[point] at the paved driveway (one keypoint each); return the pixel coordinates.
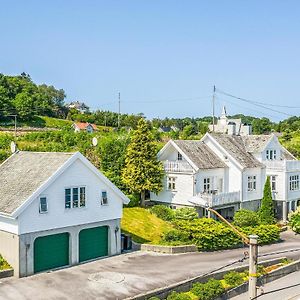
(127, 275)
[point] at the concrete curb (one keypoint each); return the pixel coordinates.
(186, 285)
(6, 273)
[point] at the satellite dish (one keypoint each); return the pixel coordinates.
(95, 141)
(13, 147)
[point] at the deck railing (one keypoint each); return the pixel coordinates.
(177, 166)
(221, 198)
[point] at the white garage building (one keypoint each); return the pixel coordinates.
(56, 210)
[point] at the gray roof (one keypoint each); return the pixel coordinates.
(23, 173)
(200, 154)
(256, 143)
(235, 146)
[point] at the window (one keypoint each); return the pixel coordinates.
(273, 183)
(294, 183)
(206, 185)
(82, 197)
(104, 200)
(271, 155)
(75, 197)
(179, 156)
(43, 205)
(251, 183)
(171, 183)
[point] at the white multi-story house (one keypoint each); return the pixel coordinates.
(229, 171)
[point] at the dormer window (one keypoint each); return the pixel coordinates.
(179, 156)
(43, 205)
(271, 154)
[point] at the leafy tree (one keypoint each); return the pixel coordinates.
(142, 170)
(266, 211)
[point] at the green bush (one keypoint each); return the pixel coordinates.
(266, 211)
(267, 234)
(234, 278)
(209, 290)
(244, 218)
(134, 200)
(163, 212)
(186, 213)
(294, 218)
(176, 237)
(178, 296)
(209, 234)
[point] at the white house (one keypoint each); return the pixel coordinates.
(229, 172)
(56, 209)
(83, 126)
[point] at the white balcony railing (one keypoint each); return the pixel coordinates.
(221, 199)
(283, 165)
(177, 166)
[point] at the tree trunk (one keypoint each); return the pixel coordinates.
(143, 196)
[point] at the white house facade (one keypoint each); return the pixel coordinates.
(56, 210)
(229, 171)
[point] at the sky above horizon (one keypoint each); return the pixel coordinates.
(164, 57)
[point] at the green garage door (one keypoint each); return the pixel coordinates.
(51, 251)
(93, 243)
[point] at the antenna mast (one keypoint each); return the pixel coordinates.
(213, 107)
(119, 110)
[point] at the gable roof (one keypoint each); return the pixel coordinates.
(256, 143)
(235, 146)
(200, 154)
(25, 175)
(25, 172)
(83, 125)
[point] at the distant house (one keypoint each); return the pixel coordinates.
(56, 210)
(81, 126)
(80, 106)
(167, 129)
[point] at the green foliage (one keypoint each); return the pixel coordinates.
(3, 264)
(267, 234)
(162, 212)
(186, 213)
(134, 200)
(244, 218)
(142, 169)
(176, 237)
(209, 290)
(266, 211)
(294, 220)
(234, 278)
(178, 296)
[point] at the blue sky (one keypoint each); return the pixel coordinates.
(163, 56)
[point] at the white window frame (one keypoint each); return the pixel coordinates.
(207, 184)
(294, 183)
(171, 183)
(251, 183)
(71, 188)
(273, 181)
(104, 201)
(271, 154)
(40, 204)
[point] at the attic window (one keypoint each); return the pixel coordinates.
(43, 205)
(179, 156)
(75, 197)
(104, 199)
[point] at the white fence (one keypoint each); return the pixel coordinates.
(177, 166)
(221, 199)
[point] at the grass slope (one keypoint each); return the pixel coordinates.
(143, 226)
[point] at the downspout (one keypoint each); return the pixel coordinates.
(241, 191)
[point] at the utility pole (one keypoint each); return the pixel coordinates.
(253, 253)
(15, 116)
(119, 110)
(213, 107)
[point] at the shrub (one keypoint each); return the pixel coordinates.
(134, 200)
(267, 234)
(163, 212)
(186, 213)
(209, 290)
(266, 211)
(294, 218)
(178, 296)
(244, 218)
(176, 237)
(234, 278)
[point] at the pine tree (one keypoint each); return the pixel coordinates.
(266, 211)
(142, 170)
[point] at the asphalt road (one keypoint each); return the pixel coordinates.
(127, 275)
(291, 293)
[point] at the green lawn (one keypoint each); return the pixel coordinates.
(143, 226)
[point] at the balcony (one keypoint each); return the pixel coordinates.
(283, 165)
(177, 167)
(214, 200)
